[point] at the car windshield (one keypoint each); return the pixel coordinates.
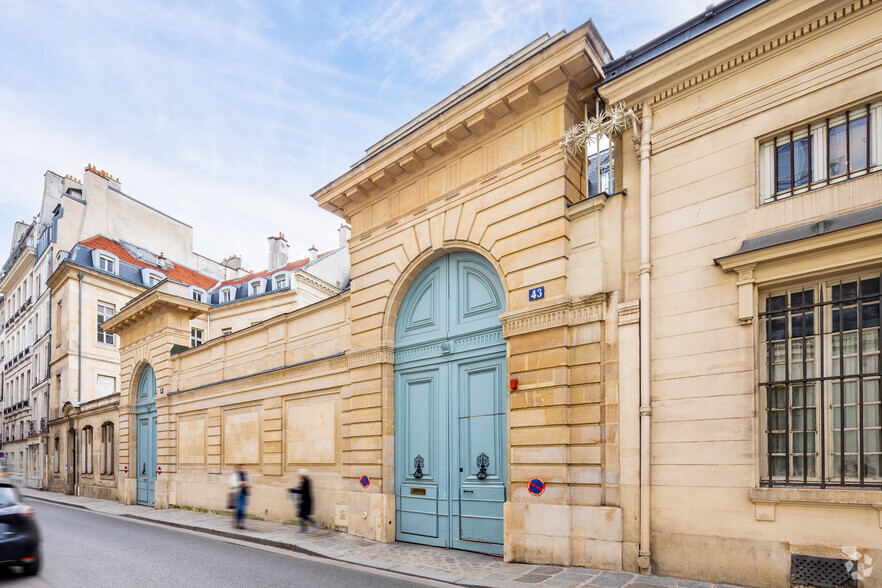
(8, 496)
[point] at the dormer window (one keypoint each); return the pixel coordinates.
(227, 294)
(105, 261)
(280, 281)
(197, 294)
(256, 286)
(151, 277)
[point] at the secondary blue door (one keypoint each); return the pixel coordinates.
(146, 439)
(450, 407)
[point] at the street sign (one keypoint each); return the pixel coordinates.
(536, 487)
(537, 293)
(365, 481)
(158, 470)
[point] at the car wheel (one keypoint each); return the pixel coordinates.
(32, 567)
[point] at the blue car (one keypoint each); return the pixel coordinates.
(19, 535)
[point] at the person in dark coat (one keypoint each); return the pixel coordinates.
(304, 492)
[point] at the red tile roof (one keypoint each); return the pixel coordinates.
(266, 273)
(178, 272)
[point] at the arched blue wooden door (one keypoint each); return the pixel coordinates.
(450, 407)
(145, 413)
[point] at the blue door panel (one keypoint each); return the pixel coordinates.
(146, 440)
(450, 407)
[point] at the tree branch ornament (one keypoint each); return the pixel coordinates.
(606, 123)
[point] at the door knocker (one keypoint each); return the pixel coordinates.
(418, 464)
(483, 462)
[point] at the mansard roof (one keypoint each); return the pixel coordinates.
(171, 269)
(298, 264)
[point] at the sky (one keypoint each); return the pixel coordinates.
(227, 115)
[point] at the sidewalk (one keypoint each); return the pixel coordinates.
(447, 565)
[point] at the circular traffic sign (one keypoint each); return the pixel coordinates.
(158, 470)
(536, 487)
(364, 481)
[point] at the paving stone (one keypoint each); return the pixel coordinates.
(694, 584)
(423, 573)
(547, 570)
(612, 579)
(658, 580)
(564, 581)
(532, 578)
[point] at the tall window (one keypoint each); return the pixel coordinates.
(826, 151)
(86, 458)
(820, 384)
(107, 449)
(226, 295)
(197, 295)
(255, 289)
(281, 280)
(195, 337)
(57, 457)
(105, 311)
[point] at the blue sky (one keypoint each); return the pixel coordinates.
(228, 115)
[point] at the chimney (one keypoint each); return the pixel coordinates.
(345, 233)
(234, 262)
(278, 251)
(313, 253)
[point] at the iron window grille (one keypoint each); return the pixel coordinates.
(820, 384)
(821, 153)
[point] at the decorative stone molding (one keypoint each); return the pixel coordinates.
(318, 285)
(766, 499)
(438, 348)
(370, 356)
(752, 54)
(559, 313)
(745, 283)
(629, 312)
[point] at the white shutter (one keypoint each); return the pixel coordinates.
(819, 152)
(767, 171)
(876, 136)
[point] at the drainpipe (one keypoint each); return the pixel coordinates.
(79, 376)
(44, 479)
(643, 560)
(80, 338)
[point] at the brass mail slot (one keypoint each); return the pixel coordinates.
(420, 491)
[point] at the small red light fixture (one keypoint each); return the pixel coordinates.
(513, 384)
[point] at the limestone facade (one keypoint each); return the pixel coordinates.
(721, 254)
(638, 382)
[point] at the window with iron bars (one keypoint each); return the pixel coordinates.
(823, 152)
(819, 382)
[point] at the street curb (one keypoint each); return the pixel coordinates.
(314, 551)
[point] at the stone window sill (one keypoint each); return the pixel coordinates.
(766, 499)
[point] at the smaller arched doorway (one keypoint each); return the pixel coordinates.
(145, 411)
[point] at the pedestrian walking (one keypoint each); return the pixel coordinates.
(239, 489)
(304, 492)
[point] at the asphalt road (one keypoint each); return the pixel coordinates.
(83, 548)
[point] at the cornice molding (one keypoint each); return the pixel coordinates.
(574, 63)
(370, 356)
(756, 52)
(556, 313)
(629, 312)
